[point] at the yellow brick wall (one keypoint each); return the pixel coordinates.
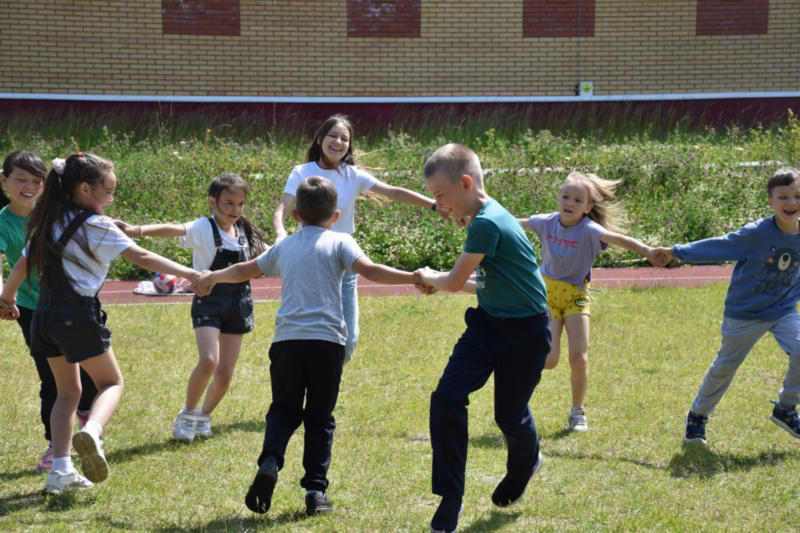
(466, 48)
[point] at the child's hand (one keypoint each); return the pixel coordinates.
(8, 310)
(127, 229)
(421, 286)
(201, 284)
(665, 255)
(656, 259)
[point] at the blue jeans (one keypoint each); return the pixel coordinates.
(738, 338)
(350, 309)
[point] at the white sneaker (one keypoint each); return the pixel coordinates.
(93, 460)
(183, 426)
(202, 425)
(577, 420)
(58, 482)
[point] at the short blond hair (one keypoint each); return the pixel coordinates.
(453, 161)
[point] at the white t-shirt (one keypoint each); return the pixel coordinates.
(200, 238)
(105, 239)
(311, 264)
(349, 181)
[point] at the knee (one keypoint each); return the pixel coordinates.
(442, 401)
(579, 358)
(207, 365)
(552, 360)
(223, 376)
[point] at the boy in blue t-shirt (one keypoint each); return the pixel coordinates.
(508, 334)
(762, 296)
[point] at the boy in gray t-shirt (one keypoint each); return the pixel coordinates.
(308, 349)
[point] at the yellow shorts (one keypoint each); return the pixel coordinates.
(565, 299)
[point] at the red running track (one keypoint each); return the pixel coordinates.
(121, 292)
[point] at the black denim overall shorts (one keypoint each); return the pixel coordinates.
(65, 322)
(229, 307)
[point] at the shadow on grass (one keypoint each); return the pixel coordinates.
(699, 461)
(488, 441)
(496, 520)
(169, 445)
(254, 522)
(600, 458)
(18, 502)
(19, 474)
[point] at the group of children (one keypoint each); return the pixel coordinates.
(69, 243)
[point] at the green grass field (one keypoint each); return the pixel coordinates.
(631, 471)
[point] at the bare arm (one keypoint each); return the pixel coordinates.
(281, 213)
(629, 243)
(457, 278)
(9, 293)
(155, 263)
(233, 274)
(405, 196)
(382, 273)
(524, 223)
(152, 230)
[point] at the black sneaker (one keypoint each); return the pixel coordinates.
(445, 519)
(259, 495)
(788, 420)
(695, 428)
(512, 487)
(317, 503)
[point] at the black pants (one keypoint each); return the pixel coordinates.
(514, 349)
(47, 387)
(299, 370)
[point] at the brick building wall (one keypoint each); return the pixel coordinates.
(362, 48)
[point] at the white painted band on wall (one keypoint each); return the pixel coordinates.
(393, 99)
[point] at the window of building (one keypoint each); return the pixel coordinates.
(558, 18)
(369, 18)
(732, 17)
(193, 17)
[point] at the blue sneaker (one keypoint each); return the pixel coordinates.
(695, 428)
(787, 419)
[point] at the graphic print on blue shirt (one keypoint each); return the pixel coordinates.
(562, 246)
(779, 271)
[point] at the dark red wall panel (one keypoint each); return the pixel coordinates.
(732, 17)
(368, 18)
(558, 18)
(192, 17)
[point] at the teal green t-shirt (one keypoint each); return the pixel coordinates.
(12, 239)
(508, 280)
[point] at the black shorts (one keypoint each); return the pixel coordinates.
(78, 333)
(229, 308)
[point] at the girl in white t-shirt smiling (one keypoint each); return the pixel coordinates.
(224, 316)
(71, 243)
(331, 156)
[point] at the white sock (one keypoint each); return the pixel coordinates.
(93, 428)
(62, 464)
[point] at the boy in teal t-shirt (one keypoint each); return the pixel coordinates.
(12, 239)
(508, 334)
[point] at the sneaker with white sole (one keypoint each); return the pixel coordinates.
(695, 431)
(445, 519)
(202, 424)
(93, 460)
(787, 419)
(58, 482)
(577, 420)
(512, 487)
(47, 459)
(183, 426)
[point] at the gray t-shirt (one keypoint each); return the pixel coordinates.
(311, 264)
(568, 253)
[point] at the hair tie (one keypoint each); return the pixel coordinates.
(59, 165)
(80, 154)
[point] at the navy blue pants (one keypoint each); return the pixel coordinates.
(514, 349)
(304, 371)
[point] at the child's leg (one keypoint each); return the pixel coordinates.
(350, 310)
(229, 347)
(105, 373)
(288, 383)
(556, 328)
(467, 370)
(208, 348)
(519, 361)
(62, 416)
(88, 391)
(787, 333)
(324, 362)
(738, 338)
(578, 338)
